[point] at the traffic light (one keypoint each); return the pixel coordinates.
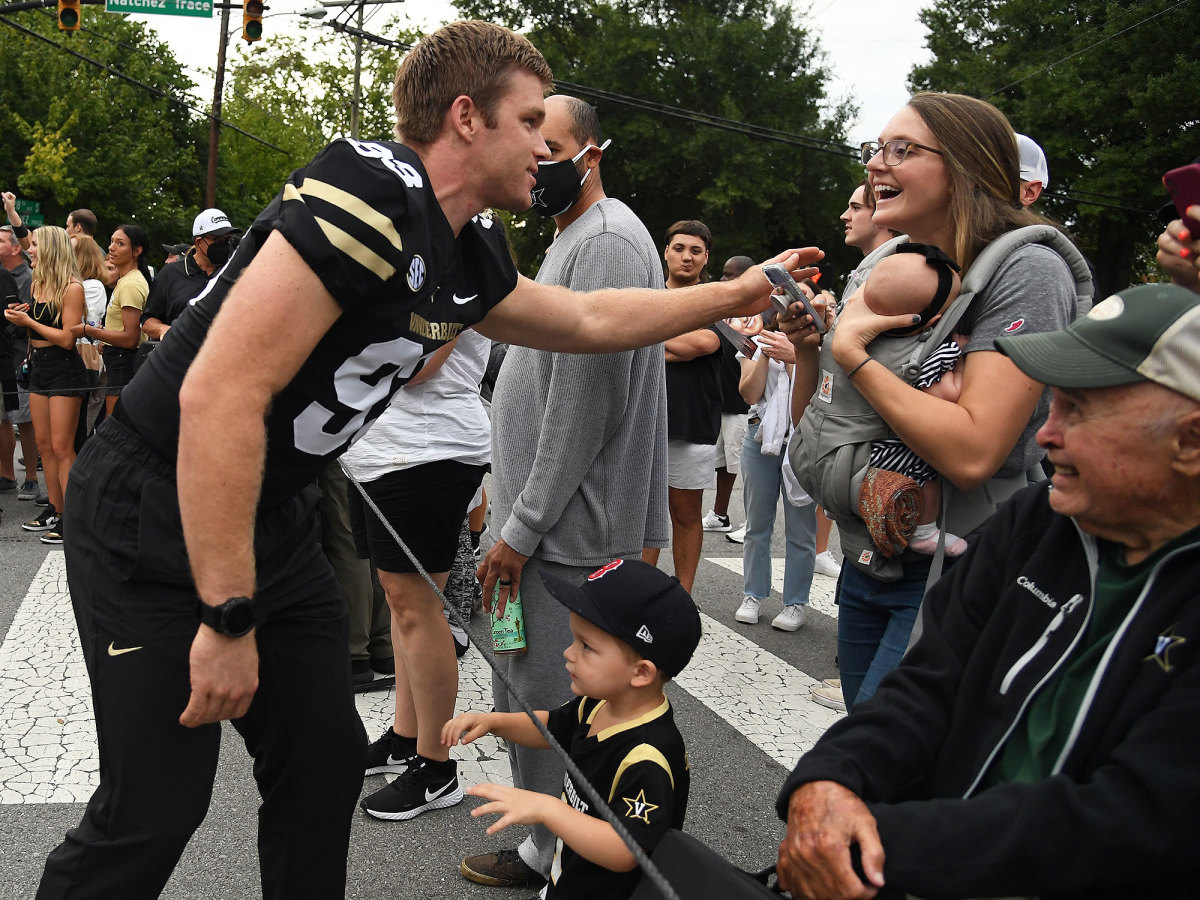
(252, 15)
(68, 15)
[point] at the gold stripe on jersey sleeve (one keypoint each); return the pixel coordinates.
(342, 240)
(640, 753)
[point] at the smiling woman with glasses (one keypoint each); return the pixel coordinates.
(944, 172)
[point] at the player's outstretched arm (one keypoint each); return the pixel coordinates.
(548, 317)
(593, 839)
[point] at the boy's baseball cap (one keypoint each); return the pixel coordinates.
(178, 249)
(634, 601)
(1146, 333)
(211, 223)
(1033, 161)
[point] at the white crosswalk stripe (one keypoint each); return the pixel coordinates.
(47, 732)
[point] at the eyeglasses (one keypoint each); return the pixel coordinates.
(894, 152)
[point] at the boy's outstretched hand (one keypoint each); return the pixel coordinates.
(463, 729)
(513, 805)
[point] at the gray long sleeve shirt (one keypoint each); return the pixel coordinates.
(579, 440)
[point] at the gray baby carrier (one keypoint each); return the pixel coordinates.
(830, 449)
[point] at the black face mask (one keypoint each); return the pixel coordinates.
(219, 251)
(558, 184)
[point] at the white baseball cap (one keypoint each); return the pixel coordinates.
(211, 223)
(1033, 161)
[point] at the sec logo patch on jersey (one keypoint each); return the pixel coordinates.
(416, 273)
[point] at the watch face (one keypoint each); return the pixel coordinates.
(237, 616)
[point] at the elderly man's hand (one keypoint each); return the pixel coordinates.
(824, 820)
(501, 567)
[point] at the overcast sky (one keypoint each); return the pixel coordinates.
(868, 67)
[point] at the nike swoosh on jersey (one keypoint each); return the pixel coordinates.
(113, 651)
(433, 795)
(461, 300)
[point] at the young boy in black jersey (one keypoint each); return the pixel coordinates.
(634, 628)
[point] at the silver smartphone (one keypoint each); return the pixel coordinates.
(781, 277)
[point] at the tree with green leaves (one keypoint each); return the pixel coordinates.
(646, 64)
(121, 141)
(1101, 85)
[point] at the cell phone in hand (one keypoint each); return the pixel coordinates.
(1183, 184)
(781, 277)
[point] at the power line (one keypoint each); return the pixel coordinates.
(158, 92)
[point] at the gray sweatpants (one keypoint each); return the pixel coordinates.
(541, 678)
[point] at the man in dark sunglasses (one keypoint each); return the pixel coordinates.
(213, 241)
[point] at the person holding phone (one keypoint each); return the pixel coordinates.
(1179, 244)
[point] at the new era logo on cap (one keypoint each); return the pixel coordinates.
(644, 634)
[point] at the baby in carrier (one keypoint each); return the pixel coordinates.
(901, 495)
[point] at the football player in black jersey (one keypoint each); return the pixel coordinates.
(192, 556)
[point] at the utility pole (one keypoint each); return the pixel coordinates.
(214, 124)
(356, 102)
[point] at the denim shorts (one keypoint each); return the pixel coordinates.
(118, 363)
(57, 372)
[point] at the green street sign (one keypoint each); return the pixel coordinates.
(199, 8)
(33, 220)
(28, 207)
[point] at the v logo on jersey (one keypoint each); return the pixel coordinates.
(461, 300)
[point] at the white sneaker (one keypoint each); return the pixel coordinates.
(832, 682)
(747, 613)
(714, 521)
(738, 536)
(829, 697)
(790, 619)
(825, 564)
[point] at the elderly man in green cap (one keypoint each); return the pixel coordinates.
(1042, 736)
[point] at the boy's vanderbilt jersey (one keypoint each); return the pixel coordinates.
(365, 220)
(641, 770)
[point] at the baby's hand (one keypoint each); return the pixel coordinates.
(465, 728)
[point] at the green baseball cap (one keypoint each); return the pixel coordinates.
(1146, 333)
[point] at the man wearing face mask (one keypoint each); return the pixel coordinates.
(579, 475)
(213, 240)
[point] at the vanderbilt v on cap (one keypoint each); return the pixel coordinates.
(1146, 333)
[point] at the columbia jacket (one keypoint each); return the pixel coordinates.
(1120, 815)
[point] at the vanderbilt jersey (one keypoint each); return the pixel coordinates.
(640, 768)
(363, 217)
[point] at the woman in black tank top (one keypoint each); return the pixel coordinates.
(57, 378)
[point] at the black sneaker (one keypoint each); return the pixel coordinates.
(53, 537)
(391, 753)
(46, 521)
(42, 500)
(502, 869)
(7, 485)
(418, 789)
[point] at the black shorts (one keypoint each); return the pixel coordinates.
(57, 372)
(426, 504)
(118, 363)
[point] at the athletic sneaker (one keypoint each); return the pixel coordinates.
(28, 490)
(829, 697)
(503, 869)
(391, 753)
(714, 521)
(832, 682)
(825, 564)
(747, 613)
(7, 484)
(47, 520)
(53, 537)
(42, 499)
(790, 619)
(738, 536)
(418, 789)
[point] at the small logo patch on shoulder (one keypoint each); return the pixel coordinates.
(1015, 326)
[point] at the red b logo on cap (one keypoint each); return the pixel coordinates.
(603, 570)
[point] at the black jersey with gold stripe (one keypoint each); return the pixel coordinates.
(364, 218)
(641, 769)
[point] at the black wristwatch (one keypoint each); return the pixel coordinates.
(233, 618)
